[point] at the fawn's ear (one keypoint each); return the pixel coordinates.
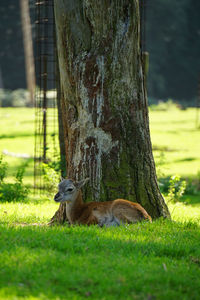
(81, 183)
(61, 178)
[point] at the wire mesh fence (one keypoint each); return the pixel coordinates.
(46, 124)
(46, 121)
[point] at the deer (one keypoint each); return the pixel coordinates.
(107, 213)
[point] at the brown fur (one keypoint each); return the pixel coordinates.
(109, 213)
(101, 212)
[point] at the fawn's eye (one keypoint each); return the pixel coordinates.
(69, 190)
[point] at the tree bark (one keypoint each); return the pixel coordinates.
(104, 103)
(60, 123)
(28, 48)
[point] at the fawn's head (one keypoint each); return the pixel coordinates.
(68, 190)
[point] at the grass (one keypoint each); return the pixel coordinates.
(143, 261)
(176, 141)
(157, 261)
(17, 136)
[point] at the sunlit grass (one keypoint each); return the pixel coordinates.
(180, 212)
(17, 127)
(176, 141)
(142, 261)
(176, 144)
(39, 211)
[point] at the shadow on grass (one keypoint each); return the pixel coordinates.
(81, 261)
(27, 121)
(17, 135)
(191, 199)
(28, 168)
(164, 148)
(185, 159)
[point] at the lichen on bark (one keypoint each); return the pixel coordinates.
(105, 113)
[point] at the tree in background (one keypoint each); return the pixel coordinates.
(103, 103)
(173, 41)
(28, 48)
(11, 50)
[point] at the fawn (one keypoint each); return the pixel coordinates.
(109, 213)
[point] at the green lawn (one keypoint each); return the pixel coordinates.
(144, 261)
(17, 136)
(176, 141)
(158, 261)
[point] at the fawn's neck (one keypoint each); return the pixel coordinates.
(73, 209)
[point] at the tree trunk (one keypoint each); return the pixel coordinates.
(28, 48)
(60, 123)
(104, 103)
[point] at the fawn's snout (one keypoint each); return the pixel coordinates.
(57, 197)
(68, 190)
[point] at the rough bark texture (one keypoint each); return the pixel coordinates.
(60, 124)
(104, 105)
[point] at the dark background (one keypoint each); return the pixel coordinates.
(172, 39)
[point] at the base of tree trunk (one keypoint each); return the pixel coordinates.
(104, 108)
(59, 217)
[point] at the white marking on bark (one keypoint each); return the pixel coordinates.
(100, 97)
(87, 129)
(104, 144)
